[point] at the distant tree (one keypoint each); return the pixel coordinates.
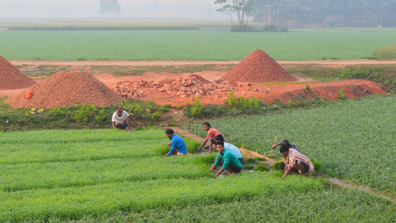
(228, 10)
(277, 8)
(110, 7)
(242, 8)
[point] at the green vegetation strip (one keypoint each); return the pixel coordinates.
(83, 145)
(68, 174)
(353, 139)
(191, 44)
(98, 199)
(320, 205)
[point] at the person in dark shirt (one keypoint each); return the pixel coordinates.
(286, 143)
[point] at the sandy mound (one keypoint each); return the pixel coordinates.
(67, 89)
(12, 78)
(258, 67)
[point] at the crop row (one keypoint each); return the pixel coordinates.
(352, 139)
(190, 45)
(78, 174)
(138, 196)
(320, 205)
(69, 146)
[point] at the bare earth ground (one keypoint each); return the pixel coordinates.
(295, 91)
(332, 63)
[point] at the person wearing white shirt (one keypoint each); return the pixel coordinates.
(121, 118)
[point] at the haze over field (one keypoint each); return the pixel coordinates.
(90, 8)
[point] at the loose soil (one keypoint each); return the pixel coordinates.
(352, 88)
(11, 77)
(67, 89)
(258, 67)
(295, 91)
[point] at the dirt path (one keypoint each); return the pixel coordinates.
(361, 188)
(247, 154)
(332, 63)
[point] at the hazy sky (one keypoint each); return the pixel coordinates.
(96, 2)
(90, 8)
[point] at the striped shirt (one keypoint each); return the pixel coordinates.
(294, 155)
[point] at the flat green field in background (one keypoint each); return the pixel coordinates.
(353, 139)
(114, 176)
(192, 45)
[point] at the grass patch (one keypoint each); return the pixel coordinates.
(192, 44)
(76, 117)
(385, 53)
(349, 137)
(261, 168)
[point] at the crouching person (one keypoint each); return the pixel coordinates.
(177, 147)
(230, 147)
(295, 161)
(230, 161)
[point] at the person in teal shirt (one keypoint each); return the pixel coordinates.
(231, 148)
(230, 161)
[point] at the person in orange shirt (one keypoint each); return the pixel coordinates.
(212, 133)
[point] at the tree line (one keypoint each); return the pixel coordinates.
(243, 9)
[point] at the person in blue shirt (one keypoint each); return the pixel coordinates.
(230, 147)
(231, 162)
(177, 147)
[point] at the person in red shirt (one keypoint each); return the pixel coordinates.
(212, 133)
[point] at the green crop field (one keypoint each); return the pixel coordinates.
(192, 45)
(115, 176)
(353, 139)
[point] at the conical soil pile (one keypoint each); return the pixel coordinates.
(67, 89)
(258, 67)
(12, 78)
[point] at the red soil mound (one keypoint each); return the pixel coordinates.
(11, 77)
(67, 89)
(258, 67)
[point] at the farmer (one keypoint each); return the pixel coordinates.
(230, 161)
(228, 146)
(295, 161)
(177, 147)
(212, 133)
(285, 142)
(121, 118)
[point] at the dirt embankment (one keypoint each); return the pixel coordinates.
(352, 88)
